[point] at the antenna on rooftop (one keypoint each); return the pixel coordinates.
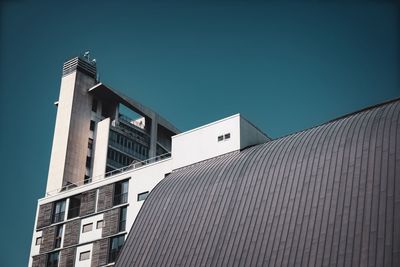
(86, 55)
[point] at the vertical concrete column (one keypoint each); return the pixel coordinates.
(153, 136)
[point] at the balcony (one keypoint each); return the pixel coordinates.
(111, 173)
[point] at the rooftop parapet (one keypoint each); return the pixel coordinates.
(83, 63)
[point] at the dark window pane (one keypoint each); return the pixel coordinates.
(52, 259)
(94, 105)
(115, 247)
(59, 211)
(122, 219)
(57, 240)
(121, 193)
(92, 125)
(90, 143)
(88, 162)
(74, 206)
(142, 196)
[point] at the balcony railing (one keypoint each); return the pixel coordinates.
(111, 173)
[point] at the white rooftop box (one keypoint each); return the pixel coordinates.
(214, 139)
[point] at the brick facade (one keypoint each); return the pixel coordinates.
(111, 222)
(100, 252)
(67, 257)
(44, 216)
(71, 236)
(105, 200)
(39, 260)
(48, 236)
(88, 202)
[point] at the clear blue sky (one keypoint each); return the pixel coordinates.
(285, 66)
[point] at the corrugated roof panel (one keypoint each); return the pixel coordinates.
(329, 195)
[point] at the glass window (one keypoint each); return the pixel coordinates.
(58, 211)
(122, 219)
(88, 161)
(142, 196)
(74, 206)
(84, 255)
(90, 143)
(52, 259)
(92, 125)
(87, 227)
(57, 240)
(99, 224)
(227, 136)
(38, 241)
(115, 247)
(220, 138)
(121, 192)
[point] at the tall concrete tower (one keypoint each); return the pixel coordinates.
(93, 134)
(72, 129)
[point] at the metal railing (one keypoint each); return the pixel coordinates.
(110, 173)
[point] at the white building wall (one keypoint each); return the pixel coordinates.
(35, 248)
(202, 143)
(101, 148)
(142, 180)
(95, 233)
(61, 132)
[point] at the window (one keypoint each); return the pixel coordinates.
(90, 143)
(115, 246)
(74, 206)
(99, 224)
(38, 241)
(86, 179)
(94, 105)
(142, 196)
(224, 137)
(58, 211)
(88, 161)
(121, 192)
(87, 227)
(57, 240)
(122, 219)
(84, 255)
(52, 259)
(92, 125)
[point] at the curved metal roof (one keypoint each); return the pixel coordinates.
(329, 195)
